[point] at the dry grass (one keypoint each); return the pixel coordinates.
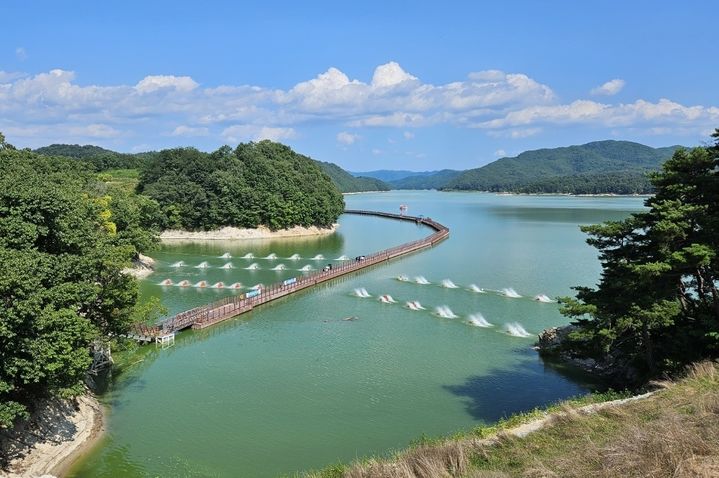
(673, 433)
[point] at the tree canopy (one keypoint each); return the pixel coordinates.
(262, 183)
(64, 239)
(656, 306)
(100, 159)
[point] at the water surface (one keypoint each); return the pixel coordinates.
(293, 386)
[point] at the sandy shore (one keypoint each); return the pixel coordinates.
(54, 438)
(234, 233)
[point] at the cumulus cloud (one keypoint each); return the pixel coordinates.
(504, 104)
(248, 132)
(20, 53)
(514, 133)
(346, 138)
(183, 130)
(398, 119)
(389, 75)
(6, 76)
(500, 153)
(94, 131)
(166, 82)
(610, 88)
(591, 112)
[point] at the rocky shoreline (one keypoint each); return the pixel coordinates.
(55, 436)
(613, 369)
(235, 233)
(142, 267)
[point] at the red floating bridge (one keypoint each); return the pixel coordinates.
(221, 310)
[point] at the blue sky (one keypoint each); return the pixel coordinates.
(367, 85)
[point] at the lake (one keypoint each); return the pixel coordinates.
(292, 386)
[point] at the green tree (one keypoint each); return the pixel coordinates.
(63, 244)
(656, 306)
(262, 183)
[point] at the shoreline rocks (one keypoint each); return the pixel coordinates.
(53, 438)
(142, 267)
(235, 233)
(612, 368)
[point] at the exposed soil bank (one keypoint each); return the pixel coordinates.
(234, 233)
(56, 435)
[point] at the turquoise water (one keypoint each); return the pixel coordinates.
(292, 386)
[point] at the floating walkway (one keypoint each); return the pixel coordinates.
(229, 307)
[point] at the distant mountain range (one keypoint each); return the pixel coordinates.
(389, 175)
(402, 179)
(348, 183)
(619, 167)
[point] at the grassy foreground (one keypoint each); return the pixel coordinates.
(673, 432)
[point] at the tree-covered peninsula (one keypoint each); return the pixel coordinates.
(65, 237)
(256, 184)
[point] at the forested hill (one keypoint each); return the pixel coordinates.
(618, 167)
(347, 183)
(434, 180)
(390, 175)
(100, 159)
(262, 183)
(404, 179)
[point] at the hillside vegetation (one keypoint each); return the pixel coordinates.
(404, 179)
(65, 237)
(100, 159)
(656, 306)
(105, 160)
(618, 167)
(389, 175)
(435, 180)
(262, 183)
(347, 183)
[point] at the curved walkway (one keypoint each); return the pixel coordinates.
(213, 313)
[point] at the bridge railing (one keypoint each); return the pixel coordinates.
(230, 306)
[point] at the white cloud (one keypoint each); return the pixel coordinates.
(20, 53)
(389, 75)
(515, 133)
(506, 105)
(500, 153)
(397, 119)
(347, 138)
(93, 131)
(377, 151)
(247, 132)
(7, 76)
(183, 130)
(591, 112)
(610, 88)
(166, 82)
(275, 134)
